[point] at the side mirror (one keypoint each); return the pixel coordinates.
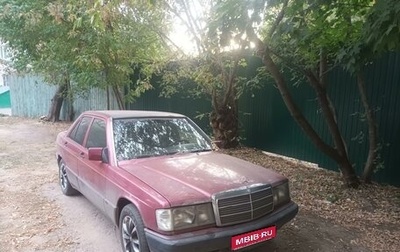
(98, 154)
(95, 154)
(104, 155)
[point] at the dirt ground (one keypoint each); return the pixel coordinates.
(36, 216)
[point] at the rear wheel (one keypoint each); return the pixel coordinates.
(133, 238)
(66, 187)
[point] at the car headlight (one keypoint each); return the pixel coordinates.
(281, 194)
(185, 217)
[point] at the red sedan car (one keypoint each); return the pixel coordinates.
(155, 175)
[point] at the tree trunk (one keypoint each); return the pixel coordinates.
(337, 154)
(71, 112)
(323, 82)
(340, 146)
(370, 165)
(224, 122)
(224, 118)
(119, 98)
(56, 103)
(70, 108)
(108, 97)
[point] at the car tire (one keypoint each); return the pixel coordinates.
(65, 186)
(133, 238)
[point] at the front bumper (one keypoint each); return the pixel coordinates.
(217, 238)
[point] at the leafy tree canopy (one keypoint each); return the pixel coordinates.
(84, 39)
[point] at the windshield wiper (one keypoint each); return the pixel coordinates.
(187, 151)
(145, 156)
(200, 150)
(174, 152)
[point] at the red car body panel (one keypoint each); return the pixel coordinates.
(157, 182)
(183, 178)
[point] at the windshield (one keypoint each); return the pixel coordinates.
(147, 137)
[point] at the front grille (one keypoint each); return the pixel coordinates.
(242, 204)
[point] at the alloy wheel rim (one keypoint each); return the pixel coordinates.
(130, 237)
(63, 177)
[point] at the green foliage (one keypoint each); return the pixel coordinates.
(382, 27)
(220, 58)
(380, 33)
(97, 43)
(297, 31)
(208, 77)
(312, 27)
(216, 69)
(28, 27)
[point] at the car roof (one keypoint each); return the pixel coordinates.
(131, 113)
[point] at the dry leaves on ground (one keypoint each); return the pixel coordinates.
(373, 210)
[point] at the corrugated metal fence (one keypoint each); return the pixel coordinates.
(268, 125)
(196, 109)
(31, 97)
(265, 121)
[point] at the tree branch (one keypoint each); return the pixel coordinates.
(370, 164)
(278, 19)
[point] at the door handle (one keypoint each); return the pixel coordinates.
(82, 155)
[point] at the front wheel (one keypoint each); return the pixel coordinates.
(133, 238)
(66, 187)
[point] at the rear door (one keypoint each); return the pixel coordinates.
(91, 173)
(74, 149)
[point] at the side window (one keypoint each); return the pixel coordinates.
(79, 132)
(97, 134)
(74, 130)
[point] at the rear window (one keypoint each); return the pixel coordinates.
(79, 131)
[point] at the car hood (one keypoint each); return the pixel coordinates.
(192, 178)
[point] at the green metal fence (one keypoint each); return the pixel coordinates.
(265, 121)
(196, 109)
(5, 99)
(267, 125)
